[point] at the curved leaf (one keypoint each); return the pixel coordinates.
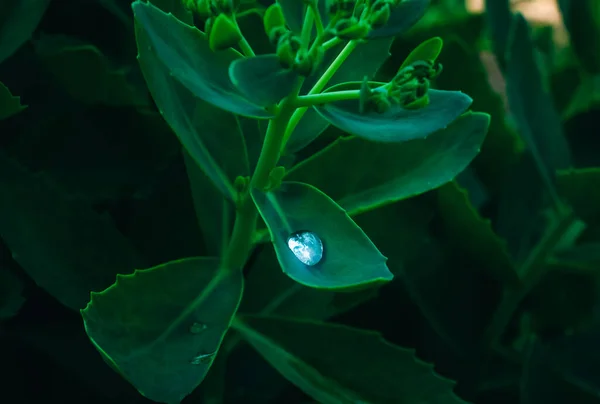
(471, 233)
(161, 327)
(262, 79)
(349, 258)
(397, 124)
(86, 74)
(336, 364)
(406, 14)
(183, 52)
(428, 50)
(18, 20)
(9, 104)
(382, 173)
(64, 246)
(582, 20)
(365, 60)
(211, 135)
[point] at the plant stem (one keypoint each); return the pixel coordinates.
(243, 43)
(242, 237)
(532, 272)
(325, 98)
(331, 43)
(307, 28)
(317, 16)
(319, 86)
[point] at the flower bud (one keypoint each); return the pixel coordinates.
(224, 33)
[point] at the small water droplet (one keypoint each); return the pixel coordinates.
(202, 359)
(197, 328)
(306, 246)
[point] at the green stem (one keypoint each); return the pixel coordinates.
(307, 28)
(243, 43)
(325, 98)
(242, 237)
(317, 17)
(331, 43)
(532, 272)
(319, 86)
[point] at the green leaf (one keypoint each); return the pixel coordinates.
(580, 189)
(11, 298)
(9, 104)
(471, 233)
(531, 105)
(211, 135)
(335, 364)
(464, 69)
(397, 124)
(499, 20)
(365, 60)
(349, 258)
(86, 74)
(182, 52)
(161, 327)
(428, 50)
(262, 79)
(18, 20)
(582, 20)
(64, 246)
(213, 211)
(403, 16)
(403, 169)
(285, 297)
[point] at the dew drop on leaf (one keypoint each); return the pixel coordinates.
(197, 328)
(306, 246)
(202, 359)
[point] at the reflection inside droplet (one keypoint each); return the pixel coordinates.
(306, 246)
(202, 359)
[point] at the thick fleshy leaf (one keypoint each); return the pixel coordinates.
(537, 120)
(473, 234)
(582, 20)
(85, 72)
(365, 60)
(285, 297)
(348, 259)
(211, 135)
(161, 327)
(335, 364)
(9, 104)
(397, 124)
(262, 79)
(580, 188)
(403, 170)
(63, 245)
(11, 298)
(428, 50)
(406, 14)
(18, 20)
(183, 52)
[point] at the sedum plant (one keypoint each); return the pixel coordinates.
(241, 117)
(162, 328)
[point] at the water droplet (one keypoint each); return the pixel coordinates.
(307, 247)
(202, 359)
(197, 328)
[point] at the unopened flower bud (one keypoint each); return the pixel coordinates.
(224, 33)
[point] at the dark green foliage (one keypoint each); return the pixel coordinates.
(451, 225)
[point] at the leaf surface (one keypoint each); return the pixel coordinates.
(161, 327)
(338, 364)
(348, 258)
(18, 20)
(380, 173)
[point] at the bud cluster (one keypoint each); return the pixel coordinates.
(409, 88)
(354, 19)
